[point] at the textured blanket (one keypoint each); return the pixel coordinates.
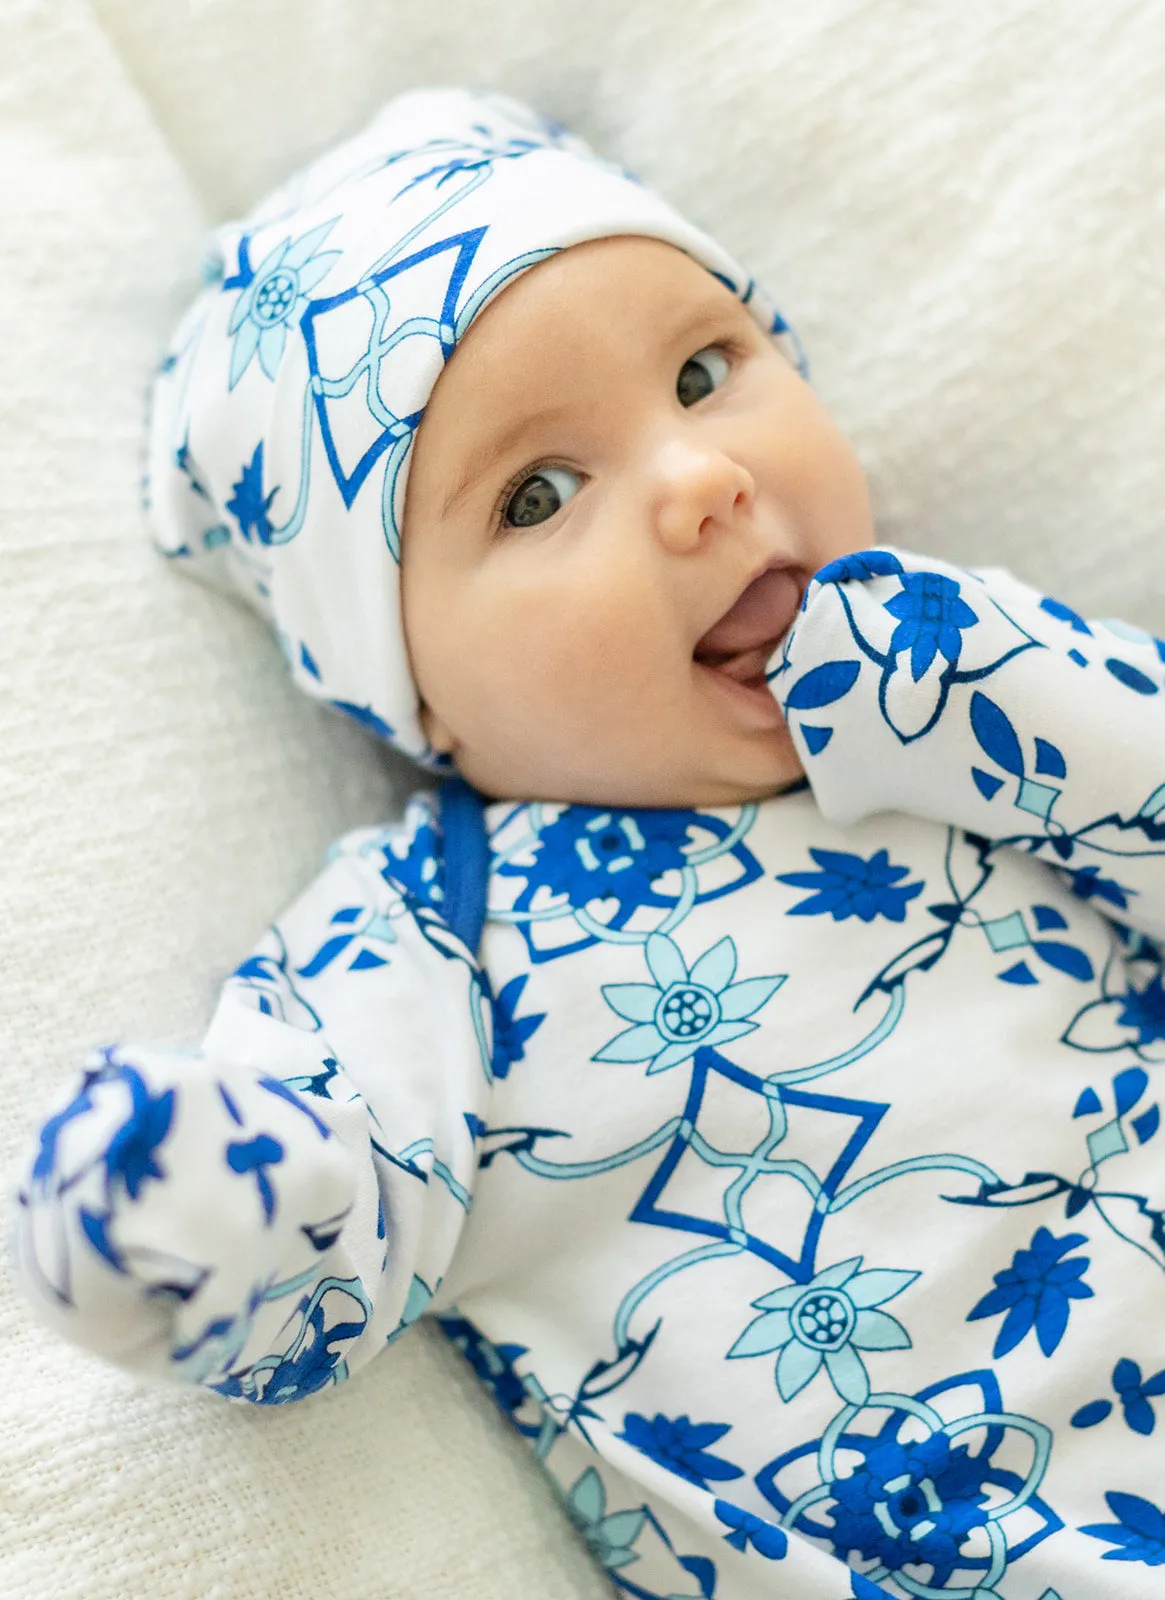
(962, 210)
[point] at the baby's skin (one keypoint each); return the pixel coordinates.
(587, 654)
(785, 1154)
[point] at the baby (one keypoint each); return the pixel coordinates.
(758, 1087)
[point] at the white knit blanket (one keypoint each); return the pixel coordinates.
(962, 208)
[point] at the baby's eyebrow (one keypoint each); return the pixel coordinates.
(494, 447)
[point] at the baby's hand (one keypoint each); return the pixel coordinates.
(168, 1196)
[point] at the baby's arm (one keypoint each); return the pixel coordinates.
(967, 697)
(262, 1215)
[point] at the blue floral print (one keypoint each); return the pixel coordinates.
(589, 854)
(250, 502)
(512, 1032)
(863, 1589)
(1138, 1534)
(932, 617)
(275, 295)
(315, 1359)
(905, 1499)
(828, 1321)
(130, 1155)
(1089, 884)
(683, 1010)
(850, 886)
(745, 1529)
(609, 1535)
(911, 1503)
(681, 1445)
(1144, 1011)
(1036, 1291)
(495, 1365)
(256, 1155)
(639, 1238)
(1135, 1393)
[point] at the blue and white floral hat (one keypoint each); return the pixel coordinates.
(284, 413)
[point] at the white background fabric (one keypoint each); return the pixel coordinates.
(962, 210)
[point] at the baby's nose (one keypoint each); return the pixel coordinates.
(699, 491)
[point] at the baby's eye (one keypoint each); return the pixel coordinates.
(700, 374)
(539, 496)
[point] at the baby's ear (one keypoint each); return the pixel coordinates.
(440, 736)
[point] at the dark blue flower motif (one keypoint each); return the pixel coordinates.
(315, 1365)
(908, 1501)
(51, 1131)
(931, 616)
(681, 1445)
(130, 1153)
(746, 1529)
(856, 568)
(415, 864)
(1144, 1010)
(1134, 1391)
(910, 1504)
(494, 1364)
(248, 504)
(313, 1361)
(256, 1155)
(510, 1030)
(850, 886)
(588, 854)
(1035, 1291)
(863, 1589)
(1089, 885)
(1138, 1534)
(1063, 613)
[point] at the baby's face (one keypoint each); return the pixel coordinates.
(614, 454)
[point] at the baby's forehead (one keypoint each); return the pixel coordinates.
(609, 300)
(628, 273)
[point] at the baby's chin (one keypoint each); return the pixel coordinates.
(760, 770)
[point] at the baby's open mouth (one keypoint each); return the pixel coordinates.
(740, 644)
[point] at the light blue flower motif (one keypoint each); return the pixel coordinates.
(682, 1010)
(610, 1537)
(828, 1321)
(276, 296)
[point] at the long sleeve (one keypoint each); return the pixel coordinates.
(967, 697)
(260, 1216)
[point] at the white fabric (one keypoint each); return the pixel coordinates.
(961, 210)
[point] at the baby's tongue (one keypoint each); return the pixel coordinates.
(762, 615)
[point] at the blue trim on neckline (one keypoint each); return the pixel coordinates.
(466, 853)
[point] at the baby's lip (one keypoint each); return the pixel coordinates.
(740, 643)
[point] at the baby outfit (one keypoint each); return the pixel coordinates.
(789, 1172)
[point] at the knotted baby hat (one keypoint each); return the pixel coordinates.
(284, 412)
